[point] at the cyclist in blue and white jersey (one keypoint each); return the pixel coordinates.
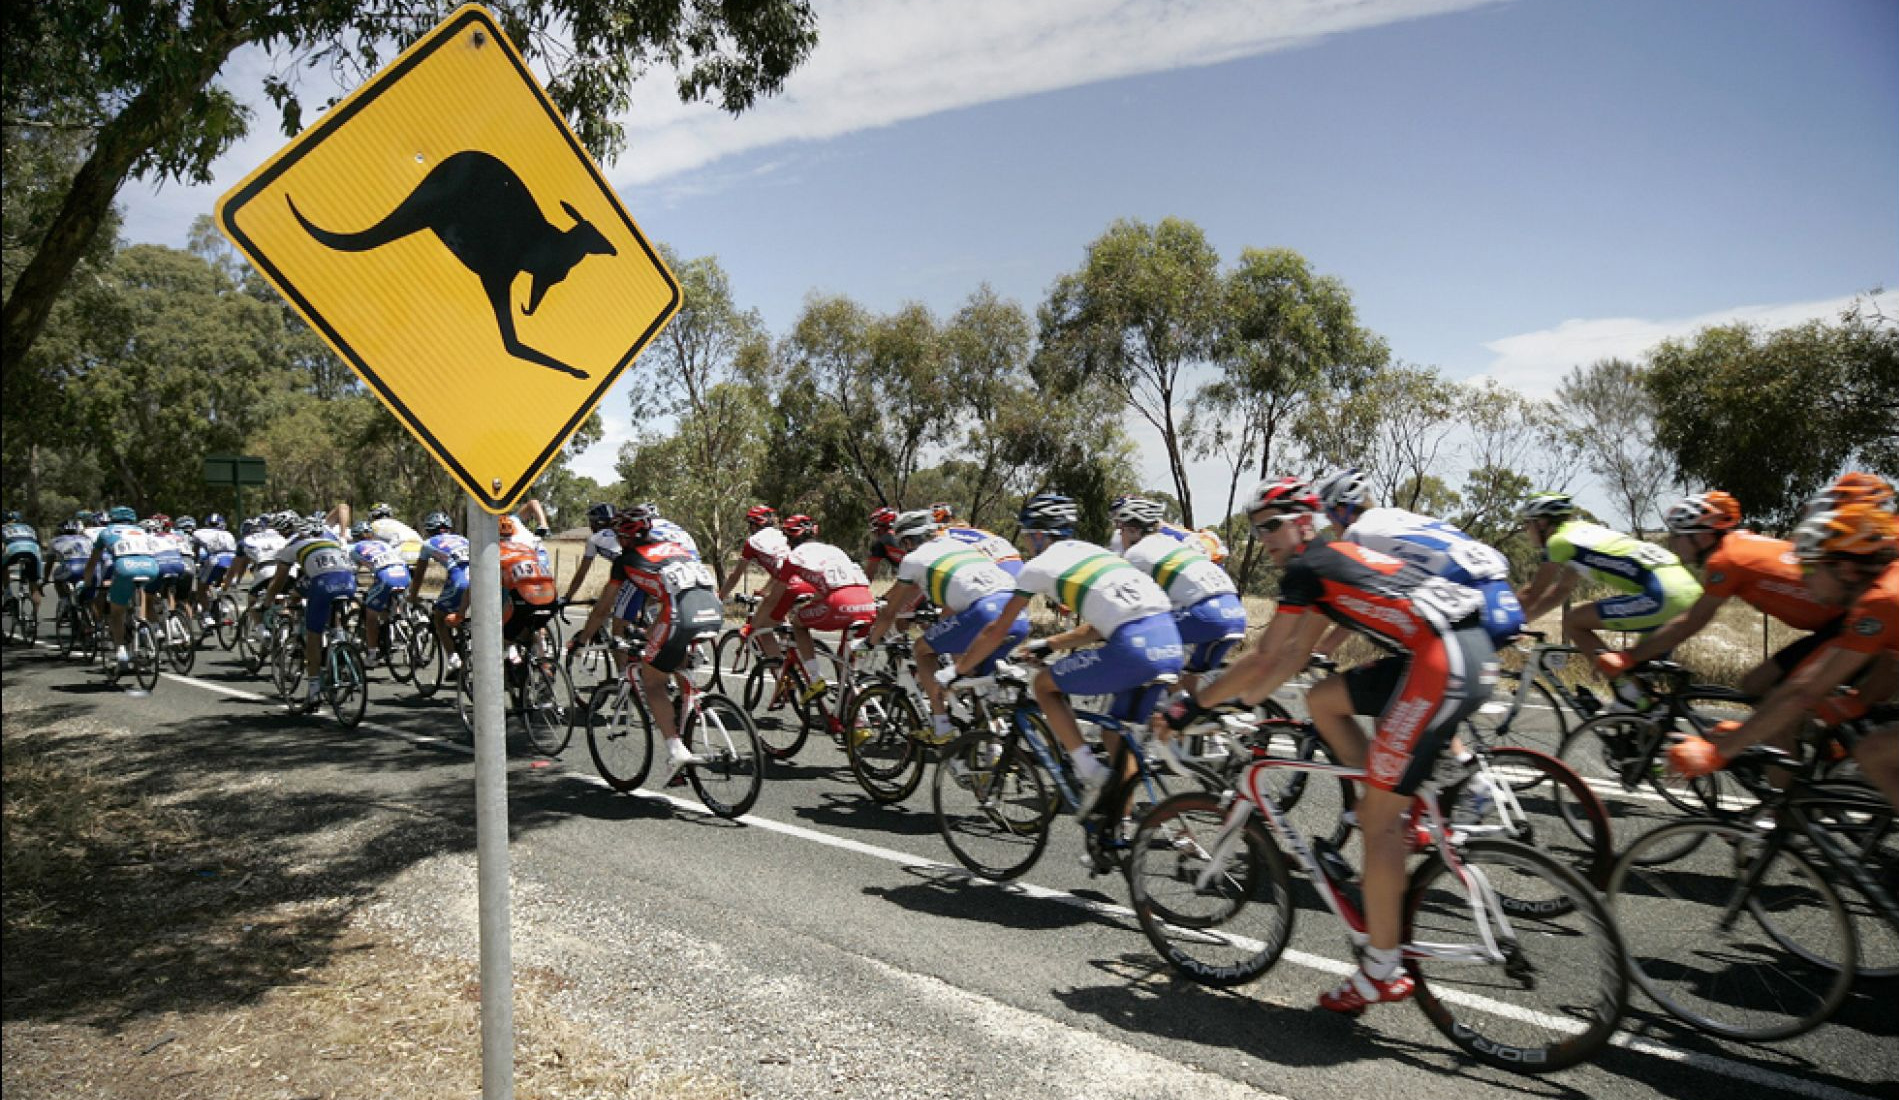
(126, 553)
(23, 553)
(1206, 540)
(384, 562)
(94, 578)
(173, 568)
(216, 549)
(324, 575)
(182, 529)
(969, 586)
(668, 531)
(1207, 608)
(257, 551)
(602, 542)
(71, 548)
(1119, 606)
(1436, 547)
(441, 544)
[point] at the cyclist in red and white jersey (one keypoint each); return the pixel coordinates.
(767, 548)
(1439, 669)
(840, 590)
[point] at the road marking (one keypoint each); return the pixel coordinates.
(1706, 1062)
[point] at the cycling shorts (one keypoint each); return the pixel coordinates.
(1420, 698)
(1645, 610)
(1793, 655)
(952, 635)
(128, 574)
(450, 599)
(383, 590)
(70, 571)
(1136, 653)
(29, 565)
(796, 589)
(519, 616)
(1503, 615)
(213, 569)
(1210, 628)
(171, 567)
(840, 609)
(320, 593)
(696, 614)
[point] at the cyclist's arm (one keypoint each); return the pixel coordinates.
(580, 574)
(277, 582)
(1332, 640)
(1678, 629)
(732, 576)
(991, 636)
(1790, 701)
(902, 598)
(1552, 582)
(1070, 639)
(540, 513)
(1280, 655)
(415, 578)
(92, 562)
(602, 607)
(338, 517)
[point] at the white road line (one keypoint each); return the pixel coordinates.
(1706, 1062)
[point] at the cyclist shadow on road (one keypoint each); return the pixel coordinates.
(844, 811)
(948, 892)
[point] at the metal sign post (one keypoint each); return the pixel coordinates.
(491, 805)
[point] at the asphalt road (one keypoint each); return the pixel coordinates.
(862, 907)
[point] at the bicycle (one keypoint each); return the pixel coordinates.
(621, 739)
(993, 803)
(1485, 920)
(225, 615)
(1538, 686)
(543, 695)
(142, 645)
(891, 738)
(18, 621)
(1738, 927)
(1620, 754)
(342, 681)
(786, 687)
(75, 628)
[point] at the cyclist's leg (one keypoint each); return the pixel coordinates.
(1877, 754)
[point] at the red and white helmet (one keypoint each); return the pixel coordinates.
(1287, 494)
(800, 527)
(761, 515)
(883, 519)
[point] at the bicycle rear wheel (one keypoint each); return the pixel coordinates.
(1540, 723)
(70, 630)
(991, 806)
(1860, 821)
(1707, 929)
(1560, 977)
(882, 740)
(346, 686)
(426, 659)
(731, 771)
(145, 656)
(181, 648)
(286, 663)
(774, 707)
(544, 705)
(10, 619)
(224, 613)
(619, 735)
(1230, 930)
(252, 641)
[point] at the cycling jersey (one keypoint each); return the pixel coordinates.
(1125, 607)
(69, 557)
(527, 587)
(998, 549)
(1443, 665)
(260, 548)
(173, 549)
(844, 600)
(384, 562)
(325, 575)
(451, 550)
(1207, 541)
(1442, 550)
(128, 555)
(768, 547)
(1872, 623)
(23, 550)
(678, 588)
(406, 540)
(952, 574)
(669, 531)
(884, 547)
(1765, 573)
(602, 544)
(1655, 586)
(1207, 608)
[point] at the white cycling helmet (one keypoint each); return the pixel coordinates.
(1547, 506)
(1341, 489)
(1137, 512)
(920, 524)
(1050, 512)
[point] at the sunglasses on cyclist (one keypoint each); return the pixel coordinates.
(1272, 523)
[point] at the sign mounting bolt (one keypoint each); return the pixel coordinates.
(497, 484)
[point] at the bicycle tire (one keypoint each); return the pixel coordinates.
(399, 656)
(9, 617)
(346, 685)
(1694, 953)
(883, 731)
(1861, 821)
(1234, 929)
(1508, 726)
(1606, 752)
(70, 629)
(286, 664)
(145, 656)
(732, 660)
(731, 771)
(182, 653)
(619, 736)
(781, 729)
(544, 704)
(1563, 957)
(1547, 806)
(225, 613)
(253, 641)
(465, 703)
(993, 814)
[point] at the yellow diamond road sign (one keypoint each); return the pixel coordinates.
(450, 238)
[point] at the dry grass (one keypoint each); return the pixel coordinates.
(155, 954)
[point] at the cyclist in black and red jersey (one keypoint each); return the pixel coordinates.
(885, 548)
(1439, 669)
(666, 586)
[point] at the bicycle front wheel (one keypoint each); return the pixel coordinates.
(1552, 958)
(286, 663)
(544, 706)
(1708, 930)
(346, 685)
(619, 735)
(771, 697)
(991, 807)
(731, 770)
(224, 613)
(1220, 913)
(1542, 803)
(882, 735)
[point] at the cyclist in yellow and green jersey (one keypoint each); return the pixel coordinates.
(1651, 585)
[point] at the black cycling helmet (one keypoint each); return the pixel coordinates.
(436, 522)
(381, 510)
(600, 516)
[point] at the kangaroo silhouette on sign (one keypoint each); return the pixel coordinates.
(481, 210)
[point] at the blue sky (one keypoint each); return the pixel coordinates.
(1508, 188)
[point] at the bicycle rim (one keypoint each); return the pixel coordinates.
(546, 716)
(991, 807)
(882, 734)
(772, 705)
(1560, 979)
(1550, 808)
(732, 771)
(1232, 929)
(348, 688)
(145, 657)
(1706, 931)
(184, 652)
(619, 736)
(226, 613)
(1861, 823)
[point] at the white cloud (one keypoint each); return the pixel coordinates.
(1535, 362)
(880, 62)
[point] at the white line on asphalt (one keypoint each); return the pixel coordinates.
(1707, 1062)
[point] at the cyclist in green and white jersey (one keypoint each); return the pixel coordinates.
(1651, 585)
(1120, 606)
(970, 587)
